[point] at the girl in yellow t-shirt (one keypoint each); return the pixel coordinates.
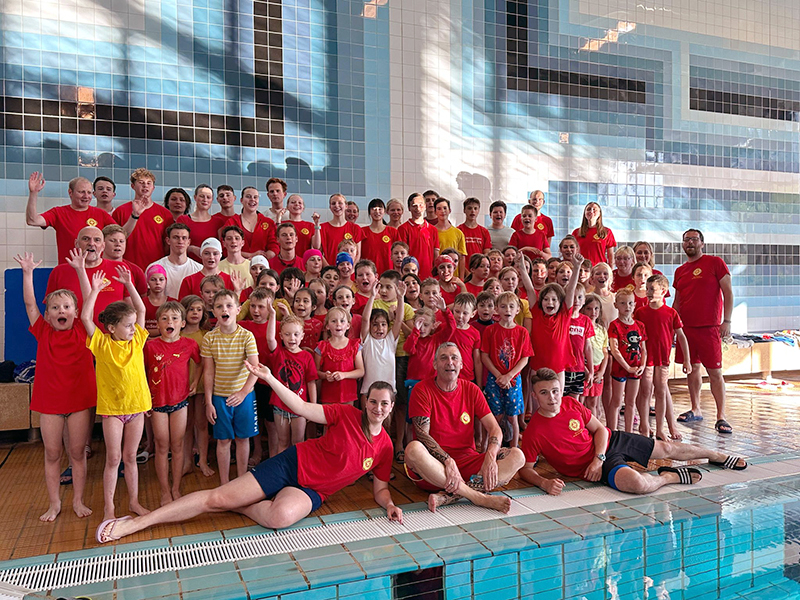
(122, 392)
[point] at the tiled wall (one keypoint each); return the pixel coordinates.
(687, 114)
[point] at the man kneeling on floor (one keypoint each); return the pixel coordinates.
(443, 410)
(576, 444)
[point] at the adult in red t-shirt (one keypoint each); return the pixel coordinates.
(282, 490)
(201, 223)
(307, 232)
(443, 457)
(378, 237)
(66, 220)
(116, 242)
(703, 299)
(543, 222)
(422, 237)
(596, 241)
(287, 255)
(144, 221)
(259, 231)
(337, 230)
(576, 444)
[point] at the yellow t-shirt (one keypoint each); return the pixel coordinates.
(242, 268)
(524, 312)
(229, 350)
(197, 336)
(391, 307)
(453, 238)
(121, 379)
(598, 341)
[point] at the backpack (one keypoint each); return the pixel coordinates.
(25, 372)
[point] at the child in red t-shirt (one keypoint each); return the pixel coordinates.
(640, 273)
(64, 388)
(166, 360)
(467, 338)
(303, 306)
(450, 286)
(662, 324)
(421, 343)
(627, 339)
(339, 361)
(578, 376)
(505, 351)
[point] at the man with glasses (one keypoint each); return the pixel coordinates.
(704, 301)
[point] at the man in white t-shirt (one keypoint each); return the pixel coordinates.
(177, 263)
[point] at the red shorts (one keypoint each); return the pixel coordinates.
(596, 389)
(469, 464)
(705, 347)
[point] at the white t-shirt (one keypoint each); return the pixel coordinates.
(176, 273)
(500, 237)
(379, 363)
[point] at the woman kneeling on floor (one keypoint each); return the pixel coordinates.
(282, 490)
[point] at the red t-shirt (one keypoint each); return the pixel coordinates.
(552, 347)
(659, 325)
(619, 282)
(700, 294)
(593, 247)
(630, 338)
(65, 381)
(139, 282)
(333, 236)
(543, 223)
(343, 455)
(423, 241)
(520, 239)
(150, 321)
(452, 414)
(563, 440)
(477, 238)
(312, 332)
(468, 340)
(146, 242)
(449, 297)
(473, 289)
(65, 277)
(259, 331)
(305, 231)
(354, 333)
(167, 366)
(68, 222)
(191, 283)
(294, 370)
(506, 347)
(421, 350)
(580, 329)
(640, 302)
(262, 238)
(200, 231)
(360, 302)
(278, 264)
(378, 247)
(338, 359)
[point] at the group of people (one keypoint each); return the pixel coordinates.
(485, 349)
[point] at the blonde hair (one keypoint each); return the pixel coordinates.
(607, 267)
(625, 251)
(508, 297)
(336, 310)
(623, 292)
(142, 173)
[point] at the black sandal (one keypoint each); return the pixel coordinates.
(732, 462)
(684, 474)
(722, 426)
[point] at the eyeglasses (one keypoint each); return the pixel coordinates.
(691, 239)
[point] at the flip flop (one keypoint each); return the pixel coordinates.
(688, 417)
(143, 457)
(732, 462)
(105, 538)
(400, 457)
(66, 476)
(684, 474)
(722, 426)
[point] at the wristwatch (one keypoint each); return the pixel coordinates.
(602, 457)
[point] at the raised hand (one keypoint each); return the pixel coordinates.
(237, 281)
(99, 280)
(36, 182)
(577, 260)
(284, 308)
(138, 206)
(26, 262)
(293, 285)
(77, 258)
(401, 288)
(123, 275)
(315, 217)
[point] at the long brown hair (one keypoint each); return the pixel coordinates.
(601, 230)
(377, 385)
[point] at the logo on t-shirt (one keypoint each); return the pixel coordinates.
(367, 465)
(158, 219)
(574, 425)
(265, 226)
(348, 236)
(465, 419)
(540, 226)
(91, 222)
(697, 272)
(596, 237)
(106, 284)
(304, 231)
(386, 239)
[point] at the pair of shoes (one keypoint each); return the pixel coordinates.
(732, 462)
(66, 476)
(372, 477)
(104, 537)
(722, 426)
(684, 474)
(400, 457)
(143, 457)
(689, 417)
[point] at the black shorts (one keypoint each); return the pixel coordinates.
(573, 383)
(624, 447)
(263, 407)
(401, 371)
(279, 472)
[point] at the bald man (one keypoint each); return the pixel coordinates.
(67, 220)
(91, 243)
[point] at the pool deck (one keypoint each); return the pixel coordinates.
(765, 422)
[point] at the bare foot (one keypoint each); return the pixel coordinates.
(188, 467)
(501, 503)
(176, 494)
(674, 434)
(51, 514)
(81, 509)
(440, 499)
(644, 431)
(108, 514)
(205, 469)
(138, 509)
(166, 498)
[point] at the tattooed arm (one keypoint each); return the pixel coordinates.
(495, 436)
(422, 428)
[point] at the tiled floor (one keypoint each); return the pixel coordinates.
(765, 422)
